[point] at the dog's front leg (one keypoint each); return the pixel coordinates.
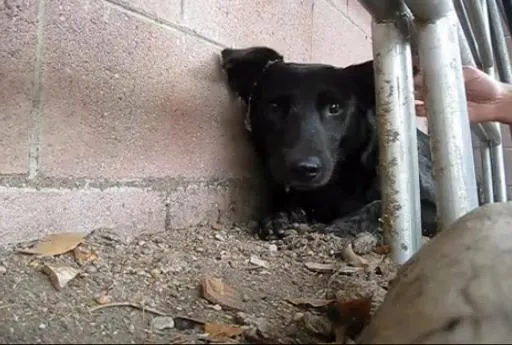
(366, 219)
(282, 214)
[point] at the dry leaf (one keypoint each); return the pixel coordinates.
(352, 258)
(382, 249)
(222, 333)
(60, 275)
(349, 318)
(319, 268)
(217, 292)
(84, 256)
(313, 302)
(55, 244)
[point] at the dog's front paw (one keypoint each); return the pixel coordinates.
(364, 220)
(343, 228)
(276, 225)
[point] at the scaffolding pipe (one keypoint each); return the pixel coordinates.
(467, 40)
(485, 37)
(445, 100)
(468, 37)
(401, 211)
(477, 21)
(499, 42)
(488, 188)
(398, 159)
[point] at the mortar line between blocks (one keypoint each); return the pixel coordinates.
(347, 15)
(161, 22)
(34, 140)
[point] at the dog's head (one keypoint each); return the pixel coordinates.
(304, 118)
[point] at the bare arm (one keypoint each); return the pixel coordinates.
(487, 98)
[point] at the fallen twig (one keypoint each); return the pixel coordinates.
(128, 304)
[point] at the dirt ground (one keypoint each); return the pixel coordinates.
(148, 289)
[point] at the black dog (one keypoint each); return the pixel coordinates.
(314, 128)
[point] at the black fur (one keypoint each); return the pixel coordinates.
(314, 129)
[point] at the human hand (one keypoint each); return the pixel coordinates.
(485, 95)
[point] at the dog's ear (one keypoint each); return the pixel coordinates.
(362, 82)
(362, 86)
(243, 67)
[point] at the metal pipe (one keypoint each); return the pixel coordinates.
(445, 100)
(507, 13)
(391, 11)
(467, 37)
(467, 59)
(477, 22)
(499, 42)
(487, 185)
(498, 174)
(401, 212)
(497, 160)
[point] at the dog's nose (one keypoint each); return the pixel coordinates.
(307, 169)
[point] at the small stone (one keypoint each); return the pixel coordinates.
(302, 228)
(155, 272)
(298, 316)
(219, 237)
(258, 262)
(203, 336)
(3, 270)
(217, 226)
(42, 326)
(364, 243)
(104, 299)
(216, 307)
(199, 249)
(91, 269)
(141, 243)
(272, 248)
(160, 323)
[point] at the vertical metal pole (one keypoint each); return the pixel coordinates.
(447, 112)
(470, 53)
(497, 160)
(485, 153)
(397, 140)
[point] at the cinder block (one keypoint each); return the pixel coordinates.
(202, 203)
(168, 10)
(336, 40)
(27, 214)
(18, 37)
(126, 98)
(360, 16)
(284, 25)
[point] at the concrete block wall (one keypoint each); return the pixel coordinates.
(114, 113)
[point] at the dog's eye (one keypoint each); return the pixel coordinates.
(333, 109)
